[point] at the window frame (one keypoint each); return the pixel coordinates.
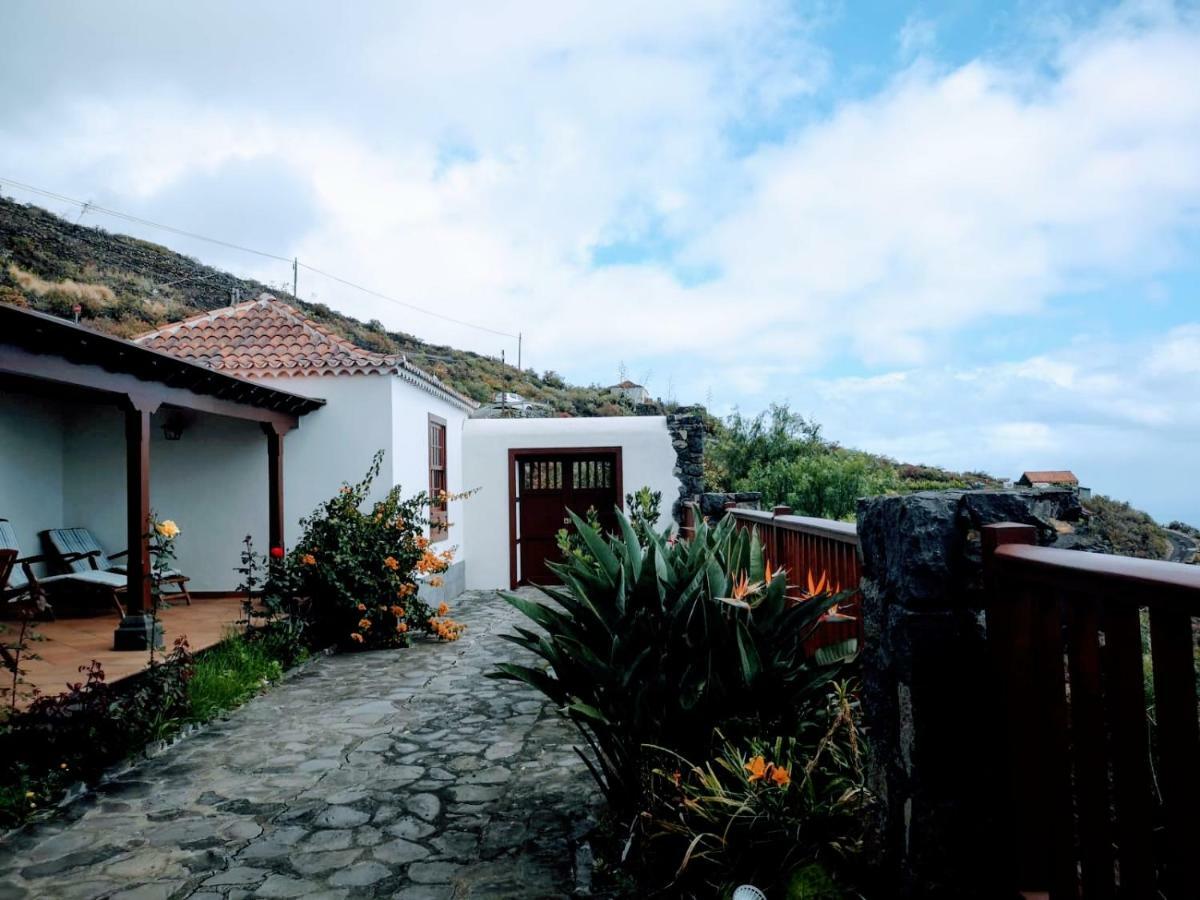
(439, 522)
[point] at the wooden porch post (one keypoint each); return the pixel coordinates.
(138, 628)
(275, 521)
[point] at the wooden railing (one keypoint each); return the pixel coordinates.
(1104, 761)
(812, 551)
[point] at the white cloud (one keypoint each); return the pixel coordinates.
(469, 158)
(1124, 416)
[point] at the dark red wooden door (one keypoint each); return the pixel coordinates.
(547, 485)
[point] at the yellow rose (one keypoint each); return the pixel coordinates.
(167, 529)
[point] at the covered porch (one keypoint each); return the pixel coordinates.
(83, 416)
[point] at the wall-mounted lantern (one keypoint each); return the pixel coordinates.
(173, 426)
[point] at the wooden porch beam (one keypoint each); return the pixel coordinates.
(17, 362)
(275, 520)
(137, 503)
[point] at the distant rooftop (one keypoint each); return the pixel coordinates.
(1057, 476)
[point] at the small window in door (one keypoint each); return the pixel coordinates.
(438, 507)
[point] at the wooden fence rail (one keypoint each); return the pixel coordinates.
(808, 548)
(1104, 760)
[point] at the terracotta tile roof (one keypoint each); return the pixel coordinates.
(1060, 476)
(268, 338)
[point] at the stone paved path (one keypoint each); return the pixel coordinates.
(393, 774)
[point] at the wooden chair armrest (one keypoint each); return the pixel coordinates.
(119, 555)
(40, 558)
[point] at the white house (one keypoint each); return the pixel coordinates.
(530, 470)
(254, 414)
(627, 390)
(372, 402)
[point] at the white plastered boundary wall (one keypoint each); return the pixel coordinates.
(647, 459)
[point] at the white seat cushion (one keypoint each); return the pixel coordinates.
(97, 578)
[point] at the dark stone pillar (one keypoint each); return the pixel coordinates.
(686, 428)
(935, 729)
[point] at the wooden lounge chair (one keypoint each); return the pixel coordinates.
(79, 552)
(24, 582)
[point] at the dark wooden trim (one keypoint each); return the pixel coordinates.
(439, 529)
(137, 508)
(512, 520)
(116, 386)
(515, 453)
(275, 519)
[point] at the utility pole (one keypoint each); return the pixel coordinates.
(518, 351)
(295, 275)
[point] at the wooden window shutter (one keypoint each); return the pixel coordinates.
(439, 522)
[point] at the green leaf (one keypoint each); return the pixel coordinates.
(836, 653)
(587, 712)
(747, 654)
(757, 563)
(598, 547)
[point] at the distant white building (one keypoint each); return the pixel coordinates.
(511, 405)
(627, 390)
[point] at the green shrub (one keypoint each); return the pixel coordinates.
(358, 563)
(644, 508)
(659, 644)
(777, 814)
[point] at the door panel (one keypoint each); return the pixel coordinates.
(547, 485)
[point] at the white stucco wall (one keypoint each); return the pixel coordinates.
(31, 470)
(647, 458)
(335, 443)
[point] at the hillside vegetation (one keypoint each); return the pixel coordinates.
(785, 456)
(127, 286)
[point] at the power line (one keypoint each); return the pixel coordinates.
(94, 208)
(88, 206)
(427, 312)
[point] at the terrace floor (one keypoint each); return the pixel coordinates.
(70, 642)
(402, 774)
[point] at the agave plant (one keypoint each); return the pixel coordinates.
(662, 642)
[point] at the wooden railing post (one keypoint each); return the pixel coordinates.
(1024, 835)
(778, 537)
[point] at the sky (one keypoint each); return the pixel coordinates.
(963, 233)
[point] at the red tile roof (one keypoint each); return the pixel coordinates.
(268, 338)
(1060, 476)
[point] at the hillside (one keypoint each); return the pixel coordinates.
(127, 286)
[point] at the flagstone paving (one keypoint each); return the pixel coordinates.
(399, 774)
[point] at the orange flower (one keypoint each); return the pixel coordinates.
(780, 776)
(443, 609)
(391, 563)
(356, 637)
(742, 587)
(436, 582)
(757, 767)
(398, 611)
(362, 607)
(364, 624)
(405, 590)
(308, 559)
(422, 542)
(402, 627)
